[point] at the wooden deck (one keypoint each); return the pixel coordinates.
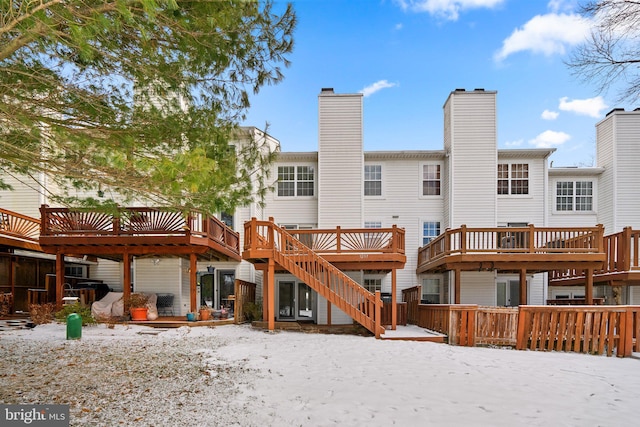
(621, 266)
(512, 249)
(180, 321)
(380, 249)
(136, 231)
(19, 231)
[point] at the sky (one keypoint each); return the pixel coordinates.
(406, 56)
(240, 376)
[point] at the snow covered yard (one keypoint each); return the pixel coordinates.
(235, 375)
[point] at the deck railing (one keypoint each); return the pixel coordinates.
(358, 303)
(587, 329)
(412, 297)
(622, 254)
(65, 222)
(19, 226)
(524, 240)
(338, 240)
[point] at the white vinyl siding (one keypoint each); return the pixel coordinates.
(472, 159)
(627, 206)
(109, 272)
(340, 161)
(162, 275)
(478, 287)
(606, 158)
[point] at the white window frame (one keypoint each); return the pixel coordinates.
(510, 179)
(296, 181)
(430, 237)
(422, 180)
(574, 196)
(365, 180)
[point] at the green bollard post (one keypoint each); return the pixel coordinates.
(74, 326)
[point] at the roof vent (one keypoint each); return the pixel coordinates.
(637, 109)
(479, 89)
(327, 90)
(614, 110)
(460, 90)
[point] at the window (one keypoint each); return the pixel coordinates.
(431, 291)
(373, 285)
(372, 180)
(372, 224)
(430, 230)
(513, 178)
(295, 181)
(430, 180)
(574, 196)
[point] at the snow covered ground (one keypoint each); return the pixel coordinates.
(235, 375)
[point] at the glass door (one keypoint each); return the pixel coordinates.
(306, 302)
(286, 301)
(508, 293)
(226, 284)
(296, 301)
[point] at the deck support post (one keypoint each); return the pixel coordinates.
(456, 286)
(59, 279)
(328, 312)
(193, 279)
(588, 286)
(265, 296)
(523, 287)
(270, 296)
(394, 305)
(126, 279)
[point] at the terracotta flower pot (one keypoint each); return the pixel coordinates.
(205, 314)
(138, 313)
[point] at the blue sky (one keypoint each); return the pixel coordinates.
(406, 56)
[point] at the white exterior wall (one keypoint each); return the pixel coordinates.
(403, 205)
(627, 208)
(338, 317)
(478, 287)
(527, 208)
(163, 276)
(22, 199)
(606, 158)
(293, 210)
(340, 160)
(573, 218)
(110, 272)
(472, 158)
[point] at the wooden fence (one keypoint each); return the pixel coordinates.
(588, 329)
(244, 292)
(401, 313)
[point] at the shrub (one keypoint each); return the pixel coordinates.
(83, 312)
(252, 311)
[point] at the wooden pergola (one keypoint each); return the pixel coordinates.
(520, 250)
(135, 232)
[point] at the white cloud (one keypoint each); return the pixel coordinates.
(556, 6)
(591, 107)
(549, 115)
(377, 86)
(549, 138)
(398, 27)
(448, 9)
(546, 34)
(515, 143)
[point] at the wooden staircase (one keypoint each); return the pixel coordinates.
(323, 277)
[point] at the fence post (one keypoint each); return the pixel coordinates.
(378, 313)
(626, 333)
(521, 341)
